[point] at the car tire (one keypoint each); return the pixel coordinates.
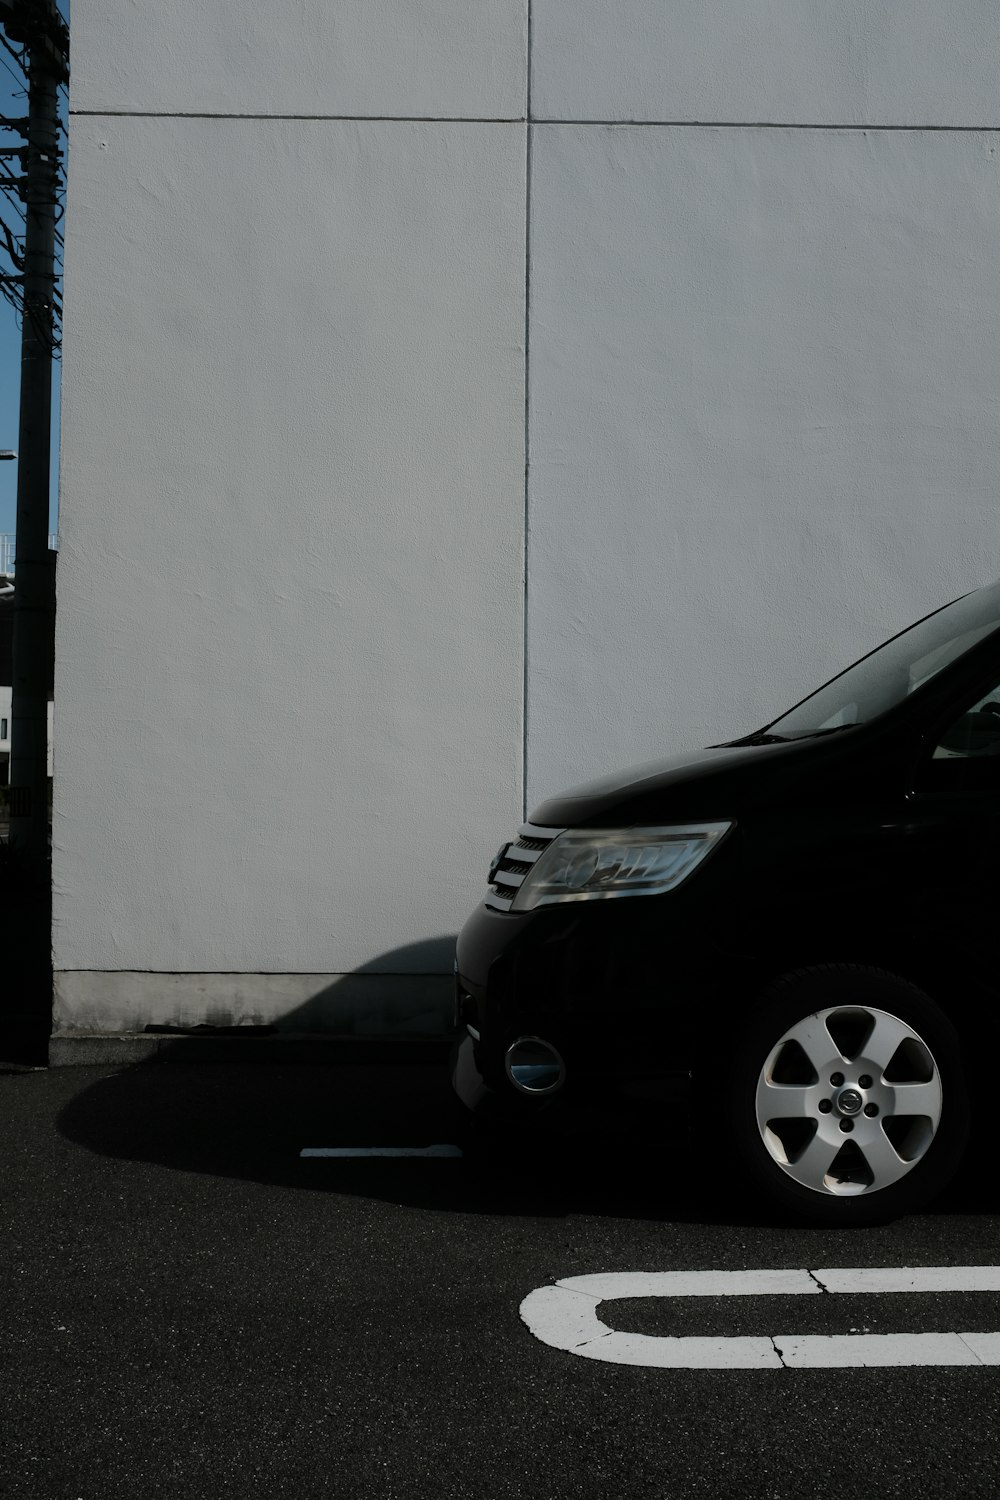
(847, 1101)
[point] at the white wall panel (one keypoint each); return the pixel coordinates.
(764, 383)
(868, 62)
(426, 58)
(290, 585)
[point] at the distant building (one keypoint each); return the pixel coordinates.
(6, 638)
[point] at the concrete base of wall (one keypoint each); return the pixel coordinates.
(91, 1007)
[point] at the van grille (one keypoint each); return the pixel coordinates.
(530, 844)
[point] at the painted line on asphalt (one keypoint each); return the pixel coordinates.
(911, 1279)
(345, 1151)
(564, 1316)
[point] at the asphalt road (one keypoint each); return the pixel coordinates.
(191, 1308)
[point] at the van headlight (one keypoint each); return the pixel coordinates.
(600, 864)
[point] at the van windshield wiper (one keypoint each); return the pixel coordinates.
(835, 729)
(760, 738)
(764, 737)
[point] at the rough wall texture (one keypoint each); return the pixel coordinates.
(764, 372)
(424, 59)
(291, 576)
(761, 382)
(846, 62)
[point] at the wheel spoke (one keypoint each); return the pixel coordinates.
(817, 1044)
(812, 1166)
(883, 1043)
(783, 1101)
(918, 1099)
(883, 1162)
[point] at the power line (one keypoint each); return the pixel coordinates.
(19, 211)
(16, 53)
(21, 82)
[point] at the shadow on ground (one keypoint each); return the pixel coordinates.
(252, 1121)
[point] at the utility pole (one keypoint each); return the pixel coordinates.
(39, 26)
(44, 58)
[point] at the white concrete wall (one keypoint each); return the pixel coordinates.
(765, 370)
(290, 577)
(759, 252)
(842, 62)
(398, 59)
(764, 357)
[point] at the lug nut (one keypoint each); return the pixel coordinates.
(871, 1110)
(825, 1106)
(836, 1079)
(847, 1126)
(864, 1082)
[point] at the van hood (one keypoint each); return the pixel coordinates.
(717, 782)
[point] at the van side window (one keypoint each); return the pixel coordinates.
(964, 756)
(975, 734)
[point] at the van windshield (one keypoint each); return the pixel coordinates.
(889, 674)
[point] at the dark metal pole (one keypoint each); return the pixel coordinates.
(34, 595)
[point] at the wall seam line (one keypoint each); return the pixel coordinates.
(180, 114)
(607, 123)
(862, 129)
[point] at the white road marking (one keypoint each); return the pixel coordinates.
(343, 1151)
(985, 1346)
(855, 1351)
(694, 1283)
(565, 1317)
(911, 1279)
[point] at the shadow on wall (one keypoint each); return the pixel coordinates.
(407, 991)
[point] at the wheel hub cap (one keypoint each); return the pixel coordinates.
(849, 1102)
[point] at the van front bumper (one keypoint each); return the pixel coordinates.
(601, 983)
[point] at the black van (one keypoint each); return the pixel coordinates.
(797, 931)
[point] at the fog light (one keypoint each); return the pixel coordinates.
(534, 1066)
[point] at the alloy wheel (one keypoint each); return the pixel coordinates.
(849, 1100)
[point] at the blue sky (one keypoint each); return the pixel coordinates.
(13, 101)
